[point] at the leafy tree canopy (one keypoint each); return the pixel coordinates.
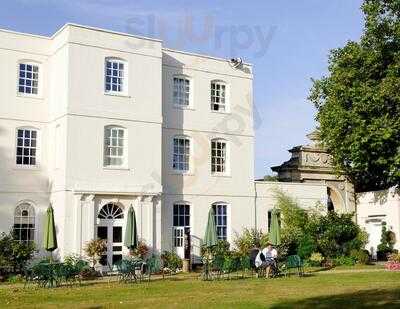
(358, 102)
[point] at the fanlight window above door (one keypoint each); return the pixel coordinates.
(111, 211)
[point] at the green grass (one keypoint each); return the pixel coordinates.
(370, 289)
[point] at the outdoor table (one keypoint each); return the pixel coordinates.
(128, 268)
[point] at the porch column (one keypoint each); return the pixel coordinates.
(88, 221)
(146, 222)
(78, 224)
(157, 214)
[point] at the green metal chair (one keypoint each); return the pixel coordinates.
(294, 262)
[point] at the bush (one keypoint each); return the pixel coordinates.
(89, 273)
(388, 240)
(303, 232)
(360, 256)
(141, 251)
(344, 260)
(393, 262)
(249, 239)
(307, 246)
(15, 279)
(316, 259)
(171, 261)
(394, 257)
(95, 248)
(14, 255)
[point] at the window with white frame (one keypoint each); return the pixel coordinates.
(221, 220)
(28, 81)
(181, 154)
(26, 150)
(24, 223)
(218, 156)
(218, 96)
(114, 146)
(181, 221)
(115, 75)
(181, 91)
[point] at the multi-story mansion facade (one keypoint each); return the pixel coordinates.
(93, 121)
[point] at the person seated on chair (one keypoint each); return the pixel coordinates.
(270, 253)
(268, 257)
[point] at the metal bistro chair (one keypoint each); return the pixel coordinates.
(126, 271)
(294, 262)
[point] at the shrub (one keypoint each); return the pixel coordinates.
(249, 239)
(95, 248)
(14, 255)
(394, 257)
(89, 273)
(141, 251)
(304, 232)
(307, 246)
(221, 249)
(360, 256)
(343, 260)
(15, 279)
(171, 261)
(316, 259)
(388, 240)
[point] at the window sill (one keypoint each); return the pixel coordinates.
(26, 167)
(221, 175)
(116, 168)
(179, 173)
(117, 94)
(29, 96)
(221, 112)
(190, 108)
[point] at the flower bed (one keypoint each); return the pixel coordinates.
(393, 262)
(391, 265)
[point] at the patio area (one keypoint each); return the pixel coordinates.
(356, 287)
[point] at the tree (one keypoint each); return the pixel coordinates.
(358, 102)
(271, 178)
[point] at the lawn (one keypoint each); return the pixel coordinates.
(329, 289)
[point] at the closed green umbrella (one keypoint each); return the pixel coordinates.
(210, 237)
(50, 236)
(275, 232)
(131, 240)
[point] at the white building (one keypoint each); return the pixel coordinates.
(93, 121)
(377, 208)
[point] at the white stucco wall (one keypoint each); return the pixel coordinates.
(307, 195)
(376, 207)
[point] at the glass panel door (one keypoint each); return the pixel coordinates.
(102, 233)
(111, 231)
(178, 240)
(116, 244)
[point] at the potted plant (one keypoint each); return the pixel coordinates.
(141, 251)
(94, 250)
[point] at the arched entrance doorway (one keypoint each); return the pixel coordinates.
(109, 227)
(335, 201)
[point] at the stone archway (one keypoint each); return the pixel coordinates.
(337, 200)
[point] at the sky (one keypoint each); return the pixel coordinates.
(288, 43)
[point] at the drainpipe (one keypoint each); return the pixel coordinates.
(255, 205)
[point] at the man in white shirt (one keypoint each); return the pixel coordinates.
(270, 252)
(266, 258)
